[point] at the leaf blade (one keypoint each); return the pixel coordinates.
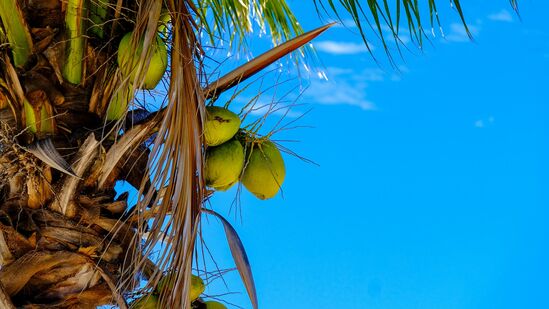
(239, 255)
(45, 150)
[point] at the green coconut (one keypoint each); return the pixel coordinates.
(145, 302)
(214, 305)
(197, 285)
(224, 164)
(264, 172)
(119, 104)
(225, 188)
(165, 19)
(220, 126)
(129, 60)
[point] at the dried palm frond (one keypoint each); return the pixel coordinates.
(257, 64)
(63, 202)
(178, 146)
(239, 256)
(45, 150)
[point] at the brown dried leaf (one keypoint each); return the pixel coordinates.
(89, 251)
(82, 161)
(16, 275)
(45, 150)
(39, 190)
(239, 255)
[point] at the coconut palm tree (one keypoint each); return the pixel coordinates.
(71, 126)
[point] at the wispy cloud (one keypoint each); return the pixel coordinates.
(346, 23)
(262, 108)
(346, 86)
(340, 92)
(342, 48)
(458, 34)
(503, 16)
(482, 123)
(365, 75)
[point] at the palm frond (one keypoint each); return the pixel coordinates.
(178, 148)
(239, 256)
(514, 4)
(257, 64)
(377, 16)
(45, 150)
(233, 20)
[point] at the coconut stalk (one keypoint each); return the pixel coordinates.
(16, 31)
(98, 16)
(39, 114)
(74, 22)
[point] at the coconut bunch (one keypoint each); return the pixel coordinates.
(234, 155)
(129, 60)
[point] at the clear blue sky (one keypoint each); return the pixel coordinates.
(432, 189)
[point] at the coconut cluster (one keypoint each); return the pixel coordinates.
(258, 165)
(130, 64)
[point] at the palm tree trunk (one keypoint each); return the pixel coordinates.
(63, 243)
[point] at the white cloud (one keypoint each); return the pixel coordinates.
(347, 23)
(403, 34)
(503, 16)
(262, 108)
(346, 86)
(342, 48)
(365, 75)
(482, 123)
(342, 90)
(458, 33)
(479, 124)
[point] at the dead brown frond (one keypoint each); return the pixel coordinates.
(176, 164)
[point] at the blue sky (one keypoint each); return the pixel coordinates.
(431, 184)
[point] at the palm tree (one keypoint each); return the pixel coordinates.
(68, 132)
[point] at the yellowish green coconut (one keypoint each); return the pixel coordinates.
(265, 171)
(214, 305)
(119, 104)
(197, 285)
(225, 188)
(224, 164)
(145, 302)
(220, 126)
(165, 19)
(128, 60)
